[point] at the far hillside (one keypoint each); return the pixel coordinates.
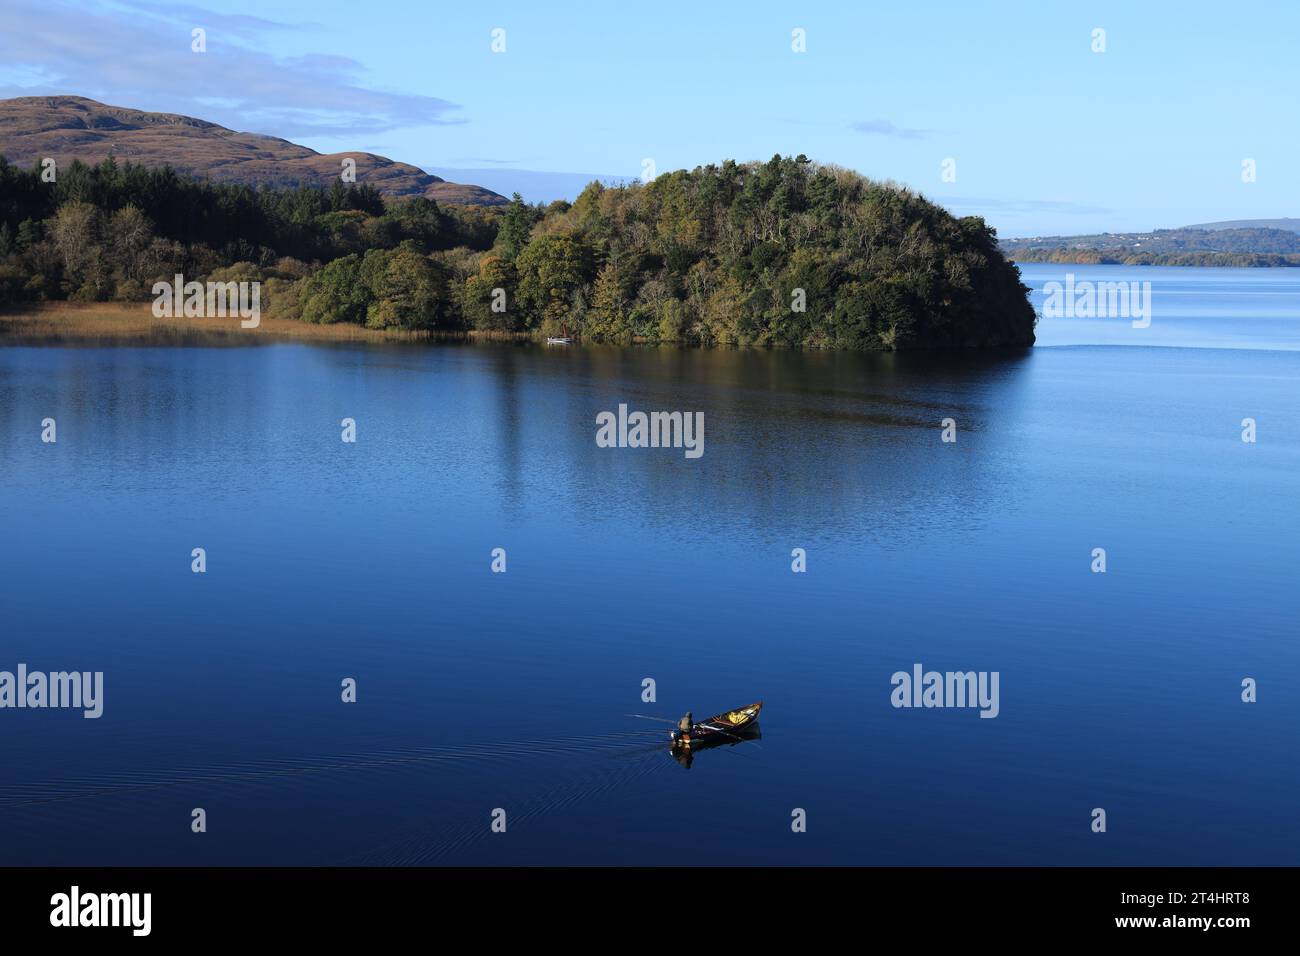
(1290, 225)
(70, 129)
(1252, 246)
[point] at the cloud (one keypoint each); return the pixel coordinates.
(243, 25)
(883, 127)
(92, 49)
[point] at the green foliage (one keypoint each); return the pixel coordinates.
(672, 321)
(551, 269)
(783, 253)
(607, 319)
(336, 293)
(110, 230)
(482, 306)
(516, 227)
(717, 256)
(409, 292)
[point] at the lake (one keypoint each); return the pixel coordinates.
(478, 691)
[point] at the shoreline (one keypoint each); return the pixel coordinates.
(1177, 262)
(95, 322)
(101, 323)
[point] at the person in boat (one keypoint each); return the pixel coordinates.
(684, 725)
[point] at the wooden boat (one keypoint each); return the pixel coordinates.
(728, 727)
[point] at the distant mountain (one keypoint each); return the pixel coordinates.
(1289, 225)
(1192, 246)
(73, 127)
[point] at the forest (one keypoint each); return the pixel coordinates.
(784, 253)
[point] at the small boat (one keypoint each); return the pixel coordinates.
(557, 341)
(728, 727)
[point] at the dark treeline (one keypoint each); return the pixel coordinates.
(111, 230)
(786, 252)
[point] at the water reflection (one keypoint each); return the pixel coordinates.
(685, 756)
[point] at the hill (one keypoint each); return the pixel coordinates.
(1289, 225)
(69, 128)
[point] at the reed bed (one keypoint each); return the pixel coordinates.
(97, 321)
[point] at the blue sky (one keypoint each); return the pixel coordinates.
(1048, 136)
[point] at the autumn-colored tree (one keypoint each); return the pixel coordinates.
(607, 315)
(336, 293)
(75, 232)
(551, 268)
(129, 236)
(413, 292)
(487, 298)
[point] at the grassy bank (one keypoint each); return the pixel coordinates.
(55, 322)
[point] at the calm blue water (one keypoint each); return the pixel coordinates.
(1190, 308)
(478, 690)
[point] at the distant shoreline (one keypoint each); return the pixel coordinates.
(1258, 244)
(1193, 260)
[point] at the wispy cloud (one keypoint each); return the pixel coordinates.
(884, 127)
(244, 25)
(92, 49)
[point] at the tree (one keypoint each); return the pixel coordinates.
(672, 320)
(75, 231)
(551, 269)
(129, 236)
(607, 317)
(483, 306)
(516, 227)
(412, 293)
(336, 294)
